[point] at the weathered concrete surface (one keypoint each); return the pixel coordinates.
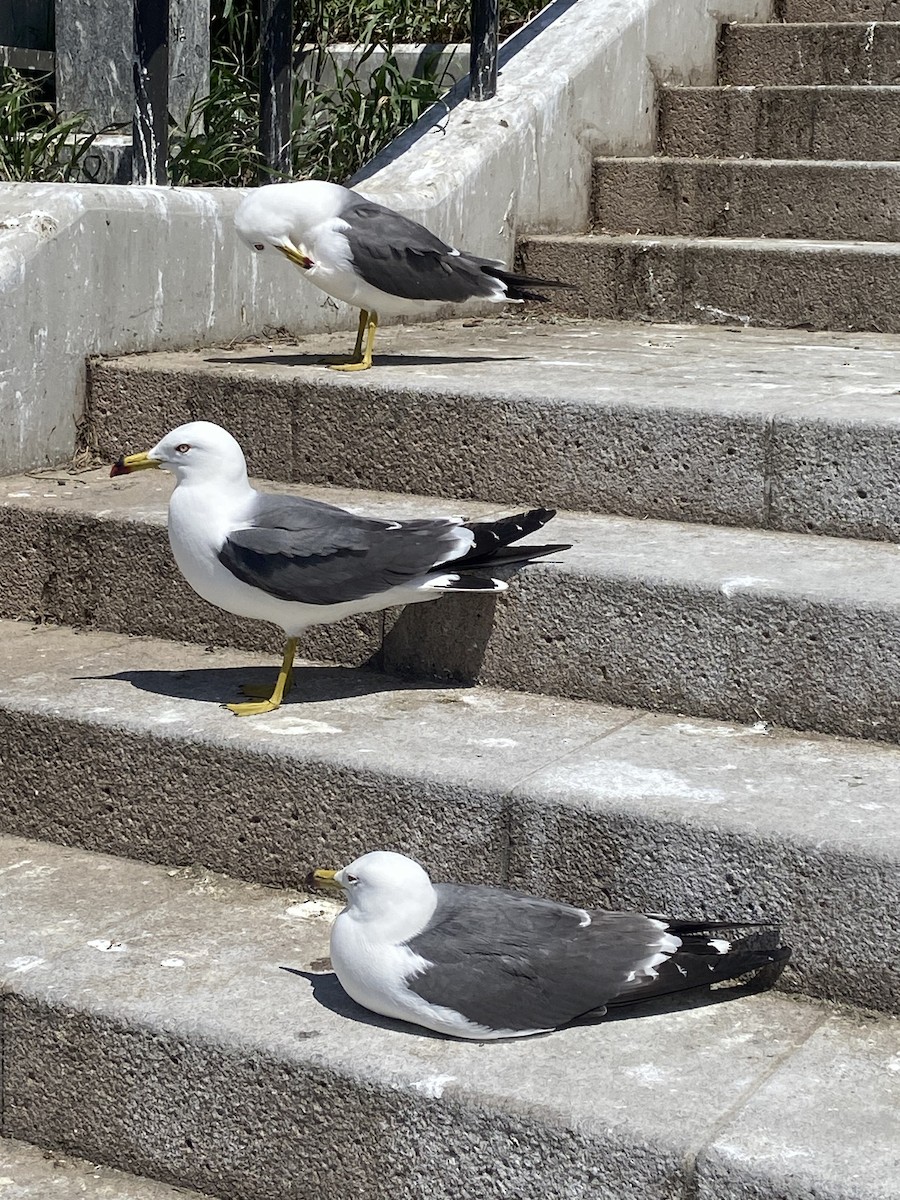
(95, 51)
(120, 745)
(793, 431)
(814, 54)
(837, 10)
(725, 281)
(758, 1144)
(861, 123)
(732, 623)
(87, 269)
(27, 1173)
(691, 197)
(193, 989)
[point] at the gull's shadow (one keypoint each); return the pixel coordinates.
(380, 360)
(328, 992)
(222, 685)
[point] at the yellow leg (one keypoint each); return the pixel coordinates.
(368, 321)
(282, 686)
(339, 360)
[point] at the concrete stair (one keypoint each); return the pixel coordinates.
(219, 1055)
(735, 624)
(695, 710)
(774, 197)
(119, 744)
(814, 54)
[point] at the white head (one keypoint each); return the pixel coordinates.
(198, 452)
(389, 889)
(280, 216)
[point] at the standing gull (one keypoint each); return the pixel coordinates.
(371, 257)
(298, 562)
(483, 962)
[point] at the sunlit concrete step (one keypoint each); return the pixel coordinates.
(765, 428)
(181, 1025)
(29, 1173)
(838, 10)
(120, 744)
(748, 198)
(725, 281)
(728, 623)
(861, 123)
(820, 52)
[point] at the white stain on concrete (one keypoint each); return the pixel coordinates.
(296, 727)
(721, 314)
(740, 583)
(433, 1086)
(172, 962)
(25, 962)
(621, 780)
(313, 909)
(105, 946)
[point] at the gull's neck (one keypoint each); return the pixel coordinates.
(400, 923)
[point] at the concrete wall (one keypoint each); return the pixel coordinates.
(89, 269)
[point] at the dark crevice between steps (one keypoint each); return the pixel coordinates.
(768, 471)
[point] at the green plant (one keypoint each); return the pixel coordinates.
(337, 127)
(34, 143)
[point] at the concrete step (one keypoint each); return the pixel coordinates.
(725, 281)
(858, 53)
(837, 10)
(119, 744)
(185, 1026)
(29, 1173)
(738, 624)
(845, 123)
(755, 427)
(749, 198)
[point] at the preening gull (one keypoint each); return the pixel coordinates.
(298, 562)
(371, 257)
(485, 962)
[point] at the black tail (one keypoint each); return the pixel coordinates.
(492, 546)
(703, 960)
(518, 287)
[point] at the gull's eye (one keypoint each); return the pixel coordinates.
(351, 879)
(182, 449)
(259, 246)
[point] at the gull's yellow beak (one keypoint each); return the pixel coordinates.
(296, 256)
(324, 879)
(134, 462)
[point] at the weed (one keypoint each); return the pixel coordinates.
(34, 144)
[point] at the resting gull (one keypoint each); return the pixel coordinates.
(298, 562)
(371, 257)
(484, 962)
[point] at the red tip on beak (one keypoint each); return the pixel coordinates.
(118, 468)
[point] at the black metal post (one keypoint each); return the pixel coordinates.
(276, 24)
(483, 55)
(150, 126)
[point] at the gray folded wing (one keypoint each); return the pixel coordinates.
(405, 259)
(314, 553)
(513, 962)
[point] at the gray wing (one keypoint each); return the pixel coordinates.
(315, 553)
(405, 259)
(509, 961)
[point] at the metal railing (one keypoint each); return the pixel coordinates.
(151, 81)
